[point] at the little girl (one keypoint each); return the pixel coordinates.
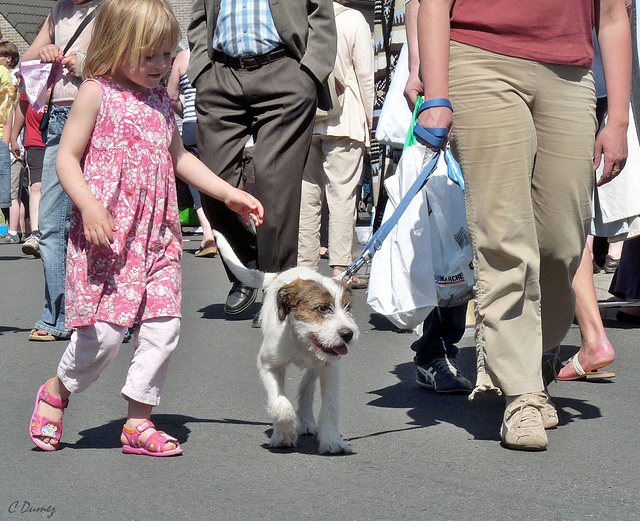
(116, 161)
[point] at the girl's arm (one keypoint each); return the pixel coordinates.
(193, 171)
(18, 123)
(98, 222)
(434, 33)
(614, 37)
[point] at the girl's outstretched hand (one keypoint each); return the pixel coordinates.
(245, 205)
(98, 225)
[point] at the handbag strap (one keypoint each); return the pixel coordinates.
(435, 135)
(74, 37)
(79, 30)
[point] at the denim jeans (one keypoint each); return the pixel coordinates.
(442, 330)
(5, 175)
(53, 221)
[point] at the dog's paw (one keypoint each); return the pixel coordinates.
(278, 441)
(333, 445)
(307, 427)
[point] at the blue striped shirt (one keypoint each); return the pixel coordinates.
(245, 28)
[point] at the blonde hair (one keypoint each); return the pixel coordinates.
(129, 30)
(8, 96)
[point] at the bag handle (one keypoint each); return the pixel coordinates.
(79, 31)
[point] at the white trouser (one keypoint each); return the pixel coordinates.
(93, 348)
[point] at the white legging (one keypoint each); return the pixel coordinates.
(93, 348)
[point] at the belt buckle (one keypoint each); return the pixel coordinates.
(254, 62)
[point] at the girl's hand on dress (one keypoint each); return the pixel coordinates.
(245, 205)
(51, 54)
(98, 225)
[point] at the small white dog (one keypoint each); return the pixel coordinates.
(305, 320)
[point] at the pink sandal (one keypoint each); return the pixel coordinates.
(43, 426)
(153, 446)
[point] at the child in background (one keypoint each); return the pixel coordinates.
(7, 101)
(116, 160)
(33, 157)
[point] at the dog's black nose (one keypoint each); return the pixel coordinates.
(345, 333)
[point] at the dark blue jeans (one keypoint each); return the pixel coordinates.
(442, 330)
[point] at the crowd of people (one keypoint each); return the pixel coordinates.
(89, 182)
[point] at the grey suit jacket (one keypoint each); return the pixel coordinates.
(307, 28)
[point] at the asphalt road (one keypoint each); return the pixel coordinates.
(417, 455)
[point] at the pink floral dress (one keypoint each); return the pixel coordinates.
(129, 170)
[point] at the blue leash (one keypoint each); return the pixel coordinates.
(434, 137)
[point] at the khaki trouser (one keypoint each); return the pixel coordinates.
(524, 136)
(333, 169)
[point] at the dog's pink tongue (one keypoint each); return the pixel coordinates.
(340, 350)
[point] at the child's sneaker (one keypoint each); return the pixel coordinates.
(9, 238)
(31, 245)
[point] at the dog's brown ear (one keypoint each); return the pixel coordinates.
(285, 299)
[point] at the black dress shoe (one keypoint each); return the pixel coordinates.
(239, 299)
(621, 316)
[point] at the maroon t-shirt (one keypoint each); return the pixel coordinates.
(32, 119)
(549, 31)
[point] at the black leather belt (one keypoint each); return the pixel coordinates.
(251, 62)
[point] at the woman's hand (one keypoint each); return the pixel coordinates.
(436, 117)
(612, 143)
(51, 54)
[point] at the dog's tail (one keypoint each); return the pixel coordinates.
(248, 276)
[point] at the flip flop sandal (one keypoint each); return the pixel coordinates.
(43, 426)
(581, 374)
(153, 446)
(210, 251)
(37, 335)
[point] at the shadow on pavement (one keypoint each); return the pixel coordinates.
(107, 436)
(216, 312)
(481, 418)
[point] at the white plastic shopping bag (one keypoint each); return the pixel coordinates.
(401, 282)
(450, 247)
(395, 117)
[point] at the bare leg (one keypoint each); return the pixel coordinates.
(207, 239)
(138, 413)
(34, 202)
(595, 350)
(58, 390)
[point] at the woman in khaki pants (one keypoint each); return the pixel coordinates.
(523, 127)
